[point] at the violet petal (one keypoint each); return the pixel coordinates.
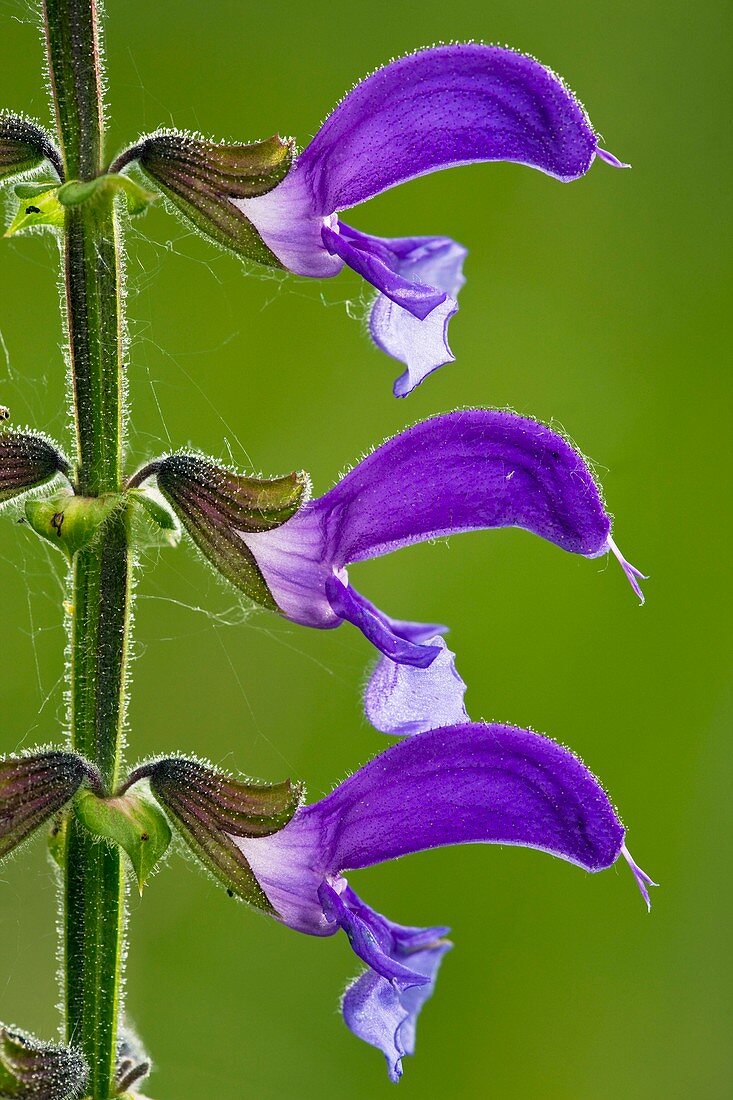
(367, 258)
(421, 345)
(349, 605)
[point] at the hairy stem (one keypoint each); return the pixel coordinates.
(94, 897)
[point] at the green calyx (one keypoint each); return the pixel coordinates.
(76, 192)
(44, 203)
(202, 179)
(37, 209)
(162, 521)
(70, 522)
(133, 822)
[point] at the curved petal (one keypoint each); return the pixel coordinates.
(464, 471)
(402, 699)
(445, 106)
(439, 107)
(462, 784)
(385, 634)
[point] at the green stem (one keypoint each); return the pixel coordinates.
(94, 897)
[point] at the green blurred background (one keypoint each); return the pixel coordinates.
(599, 305)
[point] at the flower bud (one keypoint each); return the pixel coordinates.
(25, 462)
(32, 1070)
(132, 1065)
(33, 789)
(133, 822)
(23, 146)
(208, 809)
(201, 178)
(214, 505)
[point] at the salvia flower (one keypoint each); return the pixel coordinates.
(462, 471)
(469, 783)
(32, 789)
(27, 460)
(439, 107)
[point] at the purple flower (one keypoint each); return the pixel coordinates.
(468, 783)
(463, 471)
(439, 107)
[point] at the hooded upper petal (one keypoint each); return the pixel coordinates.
(439, 107)
(470, 783)
(462, 471)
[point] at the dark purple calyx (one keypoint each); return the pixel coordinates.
(202, 177)
(27, 461)
(208, 808)
(217, 506)
(34, 788)
(23, 146)
(33, 1070)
